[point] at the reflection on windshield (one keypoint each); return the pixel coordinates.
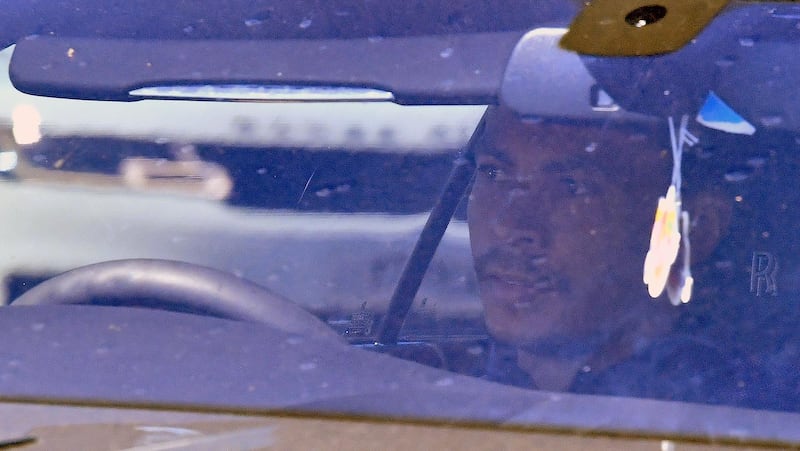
(558, 220)
(537, 282)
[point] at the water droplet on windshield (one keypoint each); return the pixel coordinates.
(725, 62)
(747, 42)
(446, 53)
(253, 22)
(307, 366)
(723, 264)
(375, 39)
(305, 23)
(188, 29)
(756, 162)
(771, 121)
(444, 382)
(736, 175)
(591, 147)
(538, 260)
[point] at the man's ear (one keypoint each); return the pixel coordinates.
(709, 217)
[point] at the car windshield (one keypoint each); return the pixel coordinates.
(487, 213)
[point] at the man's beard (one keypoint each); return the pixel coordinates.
(535, 270)
(501, 261)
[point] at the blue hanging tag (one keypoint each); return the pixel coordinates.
(718, 115)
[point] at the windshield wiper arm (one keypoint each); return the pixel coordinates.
(14, 442)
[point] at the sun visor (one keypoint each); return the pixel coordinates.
(447, 69)
(746, 58)
(543, 80)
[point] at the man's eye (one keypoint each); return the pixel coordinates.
(492, 172)
(575, 187)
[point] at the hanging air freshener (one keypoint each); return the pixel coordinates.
(670, 235)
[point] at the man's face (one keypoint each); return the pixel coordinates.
(559, 220)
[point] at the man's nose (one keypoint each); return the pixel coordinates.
(521, 219)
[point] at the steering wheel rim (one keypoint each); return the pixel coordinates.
(176, 286)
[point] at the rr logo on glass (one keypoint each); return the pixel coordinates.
(762, 274)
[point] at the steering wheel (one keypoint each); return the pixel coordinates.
(175, 286)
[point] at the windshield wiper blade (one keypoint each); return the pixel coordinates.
(13, 442)
(246, 439)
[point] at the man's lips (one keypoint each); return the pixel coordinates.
(527, 271)
(533, 282)
(520, 293)
(516, 279)
(511, 265)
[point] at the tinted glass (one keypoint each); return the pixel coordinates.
(630, 235)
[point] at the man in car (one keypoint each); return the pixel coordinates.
(560, 215)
